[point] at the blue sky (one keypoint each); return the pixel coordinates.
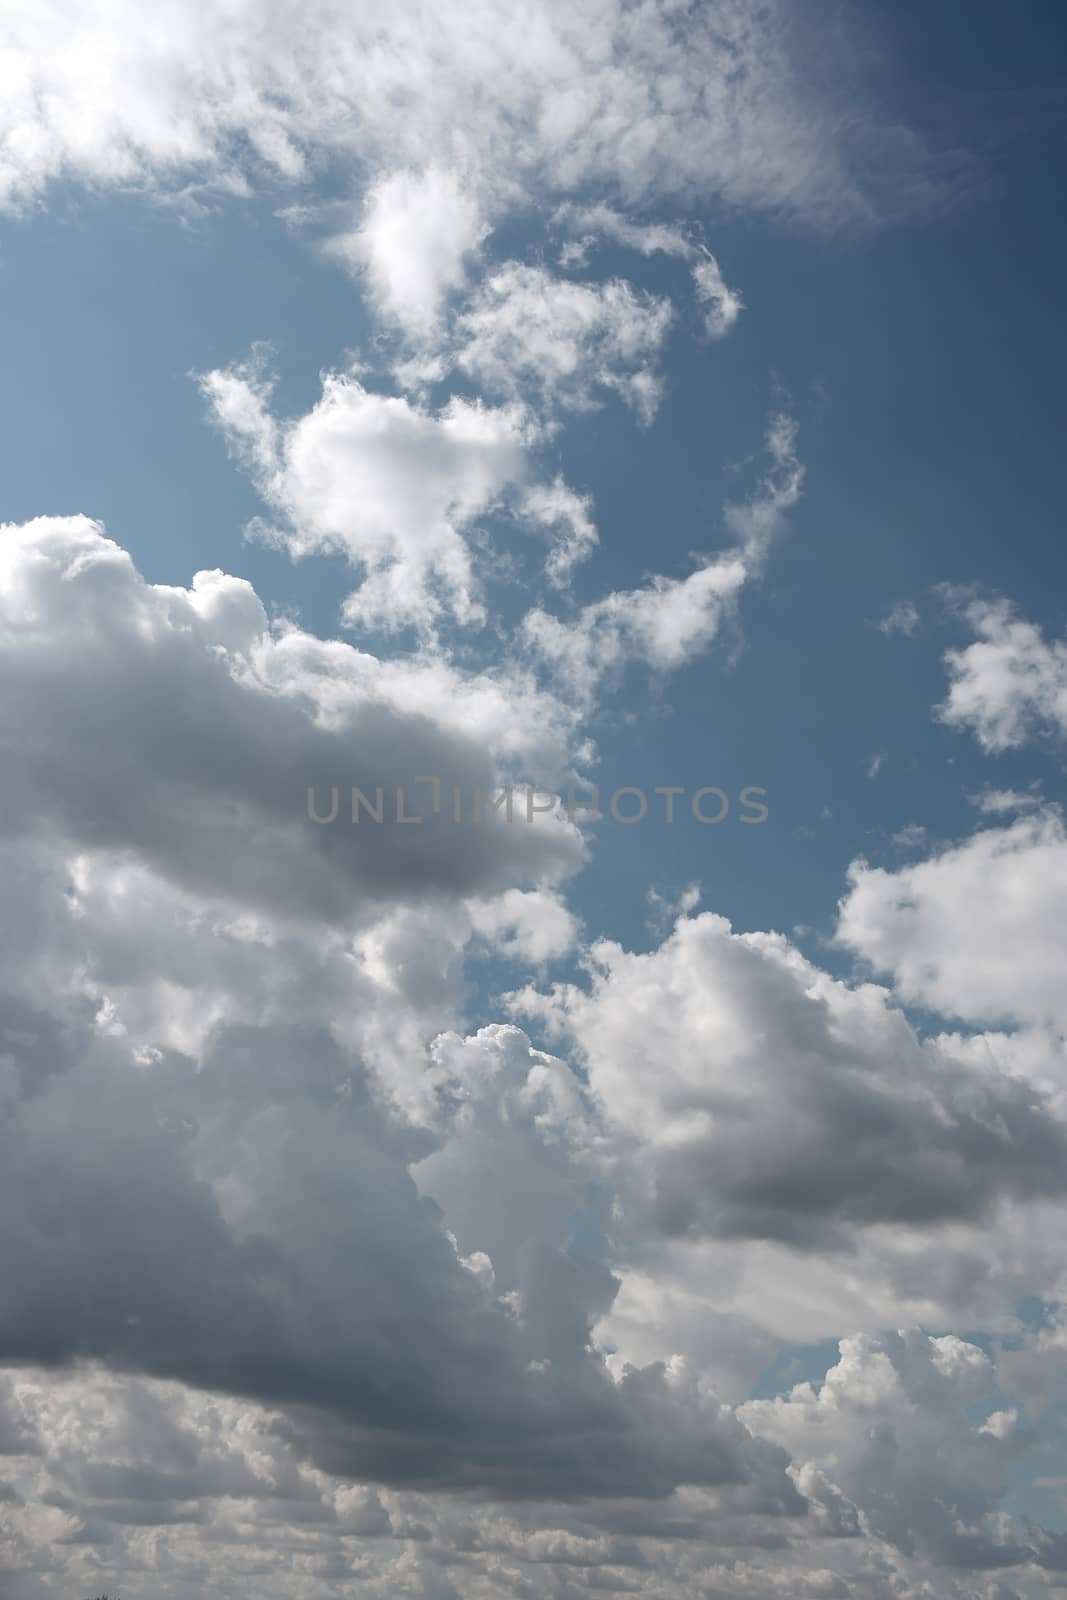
(924, 365)
(496, 1220)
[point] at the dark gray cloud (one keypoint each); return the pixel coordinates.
(157, 722)
(249, 1225)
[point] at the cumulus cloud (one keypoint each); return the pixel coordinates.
(1010, 684)
(893, 1424)
(266, 1239)
(415, 235)
(786, 1105)
(973, 931)
(222, 1177)
(393, 486)
(532, 925)
(172, 725)
(312, 1276)
(307, 1253)
(203, 1180)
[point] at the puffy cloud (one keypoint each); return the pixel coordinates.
(205, 1185)
(253, 1228)
(526, 330)
(254, 1219)
(389, 484)
(170, 725)
(145, 1482)
(974, 931)
(1010, 684)
(417, 231)
(202, 1180)
(754, 1096)
(239, 1207)
(534, 926)
(893, 1424)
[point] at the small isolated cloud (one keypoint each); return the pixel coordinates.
(1010, 685)
(997, 801)
(975, 931)
(721, 305)
(903, 618)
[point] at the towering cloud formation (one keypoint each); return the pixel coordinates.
(367, 1217)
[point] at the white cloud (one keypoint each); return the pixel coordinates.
(393, 486)
(721, 305)
(527, 332)
(103, 93)
(757, 521)
(663, 625)
(756, 1097)
(533, 926)
(325, 1287)
(416, 234)
(602, 221)
(976, 930)
(382, 1218)
(892, 1425)
(1010, 684)
(567, 517)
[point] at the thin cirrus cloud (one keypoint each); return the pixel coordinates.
(721, 305)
